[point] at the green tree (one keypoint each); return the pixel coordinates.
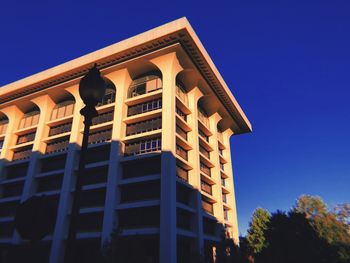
(256, 232)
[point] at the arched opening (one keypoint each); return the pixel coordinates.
(145, 84)
(110, 93)
(30, 118)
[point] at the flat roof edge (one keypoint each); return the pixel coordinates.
(122, 46)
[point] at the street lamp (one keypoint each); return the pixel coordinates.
(92, 88)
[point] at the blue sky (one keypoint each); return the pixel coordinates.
(287, 62)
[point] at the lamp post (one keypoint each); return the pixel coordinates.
(92, 88)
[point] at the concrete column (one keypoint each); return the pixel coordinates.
(122, 81)
(216, 175)
(230, 181)
(14, 116)
(69, 177)
(195, 179)
(170, 67)
(45, 104)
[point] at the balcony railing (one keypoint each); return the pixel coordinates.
(182, 174)
(203, 135)
(205, 169)
(207, 207)
(103, 117)
(203, 118)
(144, 126)
(181, 152)
(22, 154)
(100, 136)
(181, 94)
(62, 128)
(29, 137)
(145, 107)
(181, 132)
(221, 152)
(181, 114)
(141, 147)
(206, 187)
(204, 151)
(57, 146)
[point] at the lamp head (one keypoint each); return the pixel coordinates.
(92, 87)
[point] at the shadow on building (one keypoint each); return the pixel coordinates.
(137, 205)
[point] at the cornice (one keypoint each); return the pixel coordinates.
(178, 31)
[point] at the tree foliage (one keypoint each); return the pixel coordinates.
(257, 228)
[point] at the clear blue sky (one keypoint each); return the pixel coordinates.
(286, 61)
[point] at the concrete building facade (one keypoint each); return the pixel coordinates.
(159, 161)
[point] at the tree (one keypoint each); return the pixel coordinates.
(290, 238)
(311, 206)
(257, 228)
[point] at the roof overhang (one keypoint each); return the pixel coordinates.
(178, 31)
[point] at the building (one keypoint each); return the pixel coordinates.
(159, 163)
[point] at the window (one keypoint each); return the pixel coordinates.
(29, 119)
(3, 125)
(108, 98)
(145, 107)
(63, 109)
(144, 85)
(141, 147)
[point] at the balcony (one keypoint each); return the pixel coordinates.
(57, 146)
(203, 151)
(206, 187)
(207, 207)
(142, 147)
(29, 137)
(203, 118)
(59, 129)
(100, 136)
(182, 174)
(3, 126)
(181, 132)
(143, 126)
(1, 145)
(181, 114)
(145, 107)
(222, 167)
(224, 198)
(226, 215)
(223, 182)
(205, 169)
(103, 117)
(144, 85)
(181, 152)
(22, 154)
(203, 135)
(108, 98)
(181, 94)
